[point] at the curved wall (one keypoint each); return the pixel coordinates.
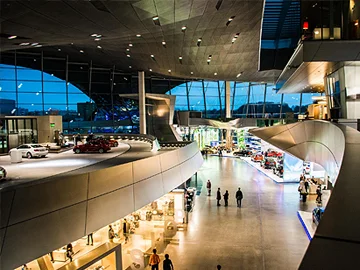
(46, 215)
(336, 243)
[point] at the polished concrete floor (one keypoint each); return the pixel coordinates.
(264, 234)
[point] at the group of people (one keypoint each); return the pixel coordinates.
(238, 195)
(304, 189)
(155, 261)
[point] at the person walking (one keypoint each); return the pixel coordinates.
(319, 194)
(226, 198)
(167, 263)
(218, 197)
(69, 251)
(111, 234)
(239, 196)
(208, 186)
(218, 267)
(154, 260)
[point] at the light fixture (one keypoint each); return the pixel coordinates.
(128, 55)
(183, 29)
(125, 79)
(215, 73)
(94, 35)
(237, 76)
(138, 35)
(99, 47)
(150, 69)
(59, 50)
(81, 51)
(34, 44)
(230, 20)
(191, 73)
(130, 44)
(164, 44)
(235, 37)
(356, 23)
(180, 59)
(97, 39)
(12, 37)
(130, 66)
(316, 32)
(208, 61)
(128, 50)
(152, 57)
(37, 46)
(24, 44)
(199, 42)
(169, 70)
(156, 20)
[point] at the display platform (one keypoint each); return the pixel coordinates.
(307, 222)
(267, 172)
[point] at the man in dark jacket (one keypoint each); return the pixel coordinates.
(239, 196)
(218, 196)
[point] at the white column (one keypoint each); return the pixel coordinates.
(227, 100)
(142, 108)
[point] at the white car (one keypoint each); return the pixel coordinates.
(32, 150)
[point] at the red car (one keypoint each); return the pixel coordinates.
(273, 154)
(257, 158)
(111, 143)
(92, 146)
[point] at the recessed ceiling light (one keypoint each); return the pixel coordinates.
(163, 43)
(208, 60)
(130, 44)
(191, 73)
(128, 50)
(97, 39)
(230, 20)
(356, 24)
(237, 76)
(37, 46)
(94, 35)
(98, 36)
(24, 44)
(99, 47)
(12, 37)
(138, 35)
(180, 57)
(150, 69)
(81, 51)
(130, 66)
(183, 28)
(59, 50)
(34, 44)
(215, 73)
(128, 55)
(198, 42)
(169, 70)
(156, 20)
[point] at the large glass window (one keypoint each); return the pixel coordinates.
(196, 96)
(272, 101)
(240, 100)
(291, 103)
(308, 99)
(256, 100)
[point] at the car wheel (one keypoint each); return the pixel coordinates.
(43, 156)
(28, 155)
(101, 150)
(116, 144)
(77, 151)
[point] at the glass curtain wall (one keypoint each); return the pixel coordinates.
(252, 100)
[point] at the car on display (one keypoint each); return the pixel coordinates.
(30, 150)
(257, 157)
(243, 153)
(110, 142)
(210, 150)
(278, 170)
(268, 163)
(317, 214)
(272, 153)
(92, 146)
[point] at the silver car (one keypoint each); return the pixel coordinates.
(32, 150)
